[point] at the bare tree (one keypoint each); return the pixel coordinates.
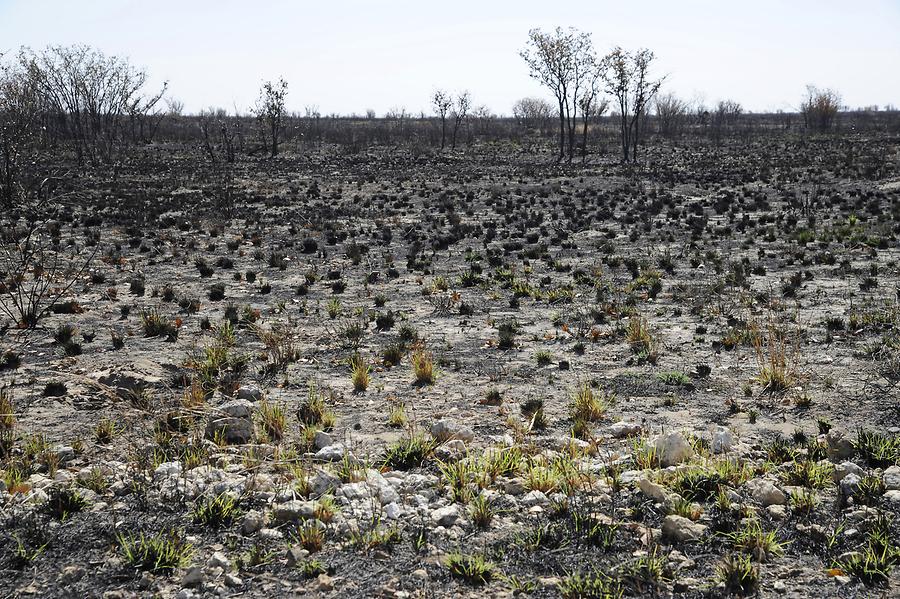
(532, 113)
(590, 104)
(147, 113)
(820, 108)
(627, 78)
(19, 117)
(36, 270)
(671, 112)
(725, 116)
(442, 101)
(219, 132)
(90, 95)
(562, 61)
(461, 107)
(269, 111)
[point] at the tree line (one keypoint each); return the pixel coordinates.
(99, 105)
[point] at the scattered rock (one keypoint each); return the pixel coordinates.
(722, 440)
(324, 583)
(777, 511)
(672, 449)
(453, 449)
(193, 577)
(233, 431)
(331, 453)
(295, 555)
(892, 478)
(253, 521)
(652, 490)
(444, 430)
(322, 440)
(534, 498)
(849, 484)
(446, 516)
(845, 468)
(292, 511)
(765, 492)
(681, 529)
(167, 470)
(838, 447)
(219, 560)
(624, 429)
(236, 408)
(250, 393)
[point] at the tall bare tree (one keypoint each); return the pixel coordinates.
(590, 103)
(19, 117)
(461, 106)
(562, 61)
(269, 111)
(820, 108)
(90, 95)
(442, 101)
(671, 113)
(627, 78)
(533, 113)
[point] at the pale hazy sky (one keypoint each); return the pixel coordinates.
(349, 55)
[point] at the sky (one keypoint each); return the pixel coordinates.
(348, 56)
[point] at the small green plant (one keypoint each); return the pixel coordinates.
(507, 331)
(685, 508)
(807, 473)
(543, 357)
(326, 509)
(359, 373)
(272, 419)
(643, 341)
(254, 557)
(647, 572)
(105, 431)
(397, 416)
(474, 569)
(590, 585)
(777, 362)
(879, 450)
(646, 456)
(869, 490)
(311, 568)
(310, 535)
(754, 540)
(588, 405)
(739, 575)
(334, 308)
(392, 354)
(95, 480)
(163, 552)
(374, 535)
(533, 410)
(64, 502)
(409, 452)
(314, 412)
(481, 509)
(674, 378)
(218, 511)
(423, 366)
(459, 476)
(804, 502)
(156, 325)
(24, 554)
(7, 411)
